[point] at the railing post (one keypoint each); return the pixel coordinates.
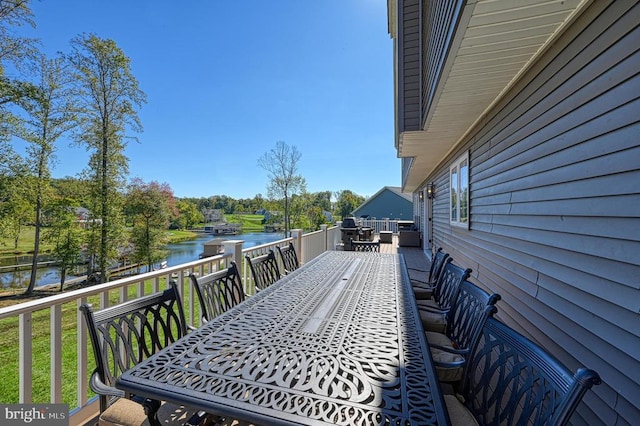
(234, 248)
(25, 336)
(324, 228)
(296, 234)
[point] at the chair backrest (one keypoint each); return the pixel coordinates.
(511, 380)
(471, 309)
(124, 335)
(437, 264)
(264, 269)
(219, 291)
(448, 284)
(289, 258)
(370, 246)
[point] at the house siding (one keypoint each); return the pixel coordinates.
(555, 203)
(386, 204)
(409, 83)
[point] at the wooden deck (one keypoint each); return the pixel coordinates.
(417, 262)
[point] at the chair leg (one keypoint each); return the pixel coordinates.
(151, 407)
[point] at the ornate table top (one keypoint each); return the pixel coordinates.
(335, 342)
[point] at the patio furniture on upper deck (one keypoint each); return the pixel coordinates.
(425, 289)
(317, 347)
(450, 349)
(408, 235)
(264, 269)
(373, 246)
(289, 258)
(124, 335)
(446, 290)
(511, 380)
(218, 292)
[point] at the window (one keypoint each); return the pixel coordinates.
(459, 193)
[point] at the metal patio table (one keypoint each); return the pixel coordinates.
(338, 341)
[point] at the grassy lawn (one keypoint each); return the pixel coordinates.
(27, 240)
(249, 222)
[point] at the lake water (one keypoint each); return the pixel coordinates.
(182, 252)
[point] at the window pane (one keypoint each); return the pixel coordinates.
(464, 191)
(454, 194)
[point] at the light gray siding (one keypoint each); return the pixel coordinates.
(555, 206)
(409, 73)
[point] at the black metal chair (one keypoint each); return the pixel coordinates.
(264, 269)
(289, 258)
(446, 289)
(511, 380)
(450, 349)
(124, 335)
(219, 291)
(367, 246)
(424, 289)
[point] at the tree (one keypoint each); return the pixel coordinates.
(108, 95)
(281, 165)
(188, 215)
(152, 206)
(66, 235)
(14, 50)
(347, 202)
(16, 210)
(49, 115)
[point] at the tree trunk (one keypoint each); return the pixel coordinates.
(63, 277)
(36, 249)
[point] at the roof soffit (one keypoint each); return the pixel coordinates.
(496, 41)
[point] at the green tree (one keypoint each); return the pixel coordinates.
(188, 215)
(67, 237)
(16, 210)
(152, 206)
(14, 51)
(347, 202)
(48, 115)
(322, 200)
(108, 96)
(281, 165)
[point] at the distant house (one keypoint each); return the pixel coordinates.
(84, 217)
(388, 203)
(213, 215)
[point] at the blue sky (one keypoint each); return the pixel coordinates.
(225, 80)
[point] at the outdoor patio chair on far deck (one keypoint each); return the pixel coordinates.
(371, 246)
(219, 291)
(424, 289)
(122, 336)
(289, 258)
(511, 380)
(264, 269)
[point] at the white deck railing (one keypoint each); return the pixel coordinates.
(53, 366)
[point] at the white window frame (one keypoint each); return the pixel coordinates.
(459, 190)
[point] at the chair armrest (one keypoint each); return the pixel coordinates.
(450, 349)
(100, 388)
(150, 406)
(433, 310)
(422, 285)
